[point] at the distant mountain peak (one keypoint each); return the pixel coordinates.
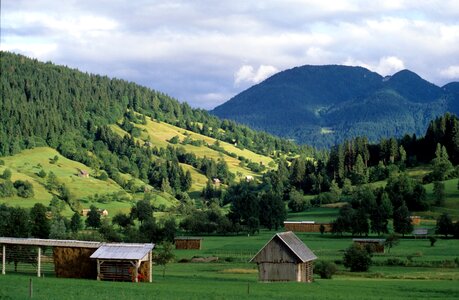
(352, 101)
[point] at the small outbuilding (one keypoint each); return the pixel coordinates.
(415, 220)
(124, 262)
(377, 245)
(185, 242)
(420, 233)
(285, 258)
(306, 226)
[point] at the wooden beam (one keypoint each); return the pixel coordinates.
(39, 262)
(136, 271)
(98, 270)
(150, 254)
(4, 259)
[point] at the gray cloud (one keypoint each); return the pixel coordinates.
(204, 53)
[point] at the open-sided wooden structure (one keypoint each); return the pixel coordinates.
(124, 262)
(377, 245)
(70, 257)
(306, 226)
(186, 242)
(285, 258)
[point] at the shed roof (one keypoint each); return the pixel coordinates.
(420, 231)
(188, 238)
(298, 248)
(48, 242)
(123, 251)
(369, 240)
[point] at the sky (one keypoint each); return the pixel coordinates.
(205, 52)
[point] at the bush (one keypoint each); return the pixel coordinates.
(325, 269)
(357, 259)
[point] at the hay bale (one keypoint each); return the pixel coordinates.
(74, 262)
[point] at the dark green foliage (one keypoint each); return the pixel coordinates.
(42, 173)
(123, 220)
(76, 222)
(432, 241)
(7, 189)
(325, 269)
(403, 189)
(357, 259)
(164, 255)
(142, 211)
(272, 211)
(6, 174)
(439, 193)
(402, 220)
(297, 202)
(14, 221)
(39, 223)
(24, 189)
(444, 225)
(93, 217)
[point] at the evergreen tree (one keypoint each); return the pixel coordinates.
(445, 225)
(272, 211)
(75, 222)
(93, 218)
(439, 193)
(402, 220)
(39, 223)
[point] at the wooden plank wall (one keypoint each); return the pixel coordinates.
(307, 227)
(188, 244)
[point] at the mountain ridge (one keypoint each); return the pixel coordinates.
(300, 102)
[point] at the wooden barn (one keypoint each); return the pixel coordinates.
(124, 262)
(306, 226)
(376, 244)
(184, 242)
(285, 258)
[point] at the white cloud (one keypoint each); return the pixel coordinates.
(451, 72)
(247, 73)
(387, 65)
(190, 49)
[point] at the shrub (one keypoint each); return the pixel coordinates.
(357, 259)
(325, 269)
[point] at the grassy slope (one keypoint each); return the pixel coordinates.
(25, 165)
(160, 133)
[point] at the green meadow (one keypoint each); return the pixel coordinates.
(233, 277)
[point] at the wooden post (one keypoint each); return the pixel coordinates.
(30, 288)
(4, 259)
(39, 262)
(98, 270)
(151, 265)
(136, 271)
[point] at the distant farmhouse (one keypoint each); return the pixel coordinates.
(285, 258)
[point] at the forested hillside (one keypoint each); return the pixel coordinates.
(136, 138)
(325, 105)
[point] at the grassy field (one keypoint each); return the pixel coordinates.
(233, 277)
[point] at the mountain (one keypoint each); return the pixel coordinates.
(324, 105)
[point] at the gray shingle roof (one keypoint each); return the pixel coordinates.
(123, 251)
(49, 242)
(298, 248)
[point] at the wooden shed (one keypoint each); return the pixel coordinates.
(185, 242)
(124, 262)
(285, 258)
(306, 226)
(376, 244)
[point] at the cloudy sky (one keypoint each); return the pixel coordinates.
(204, 52)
